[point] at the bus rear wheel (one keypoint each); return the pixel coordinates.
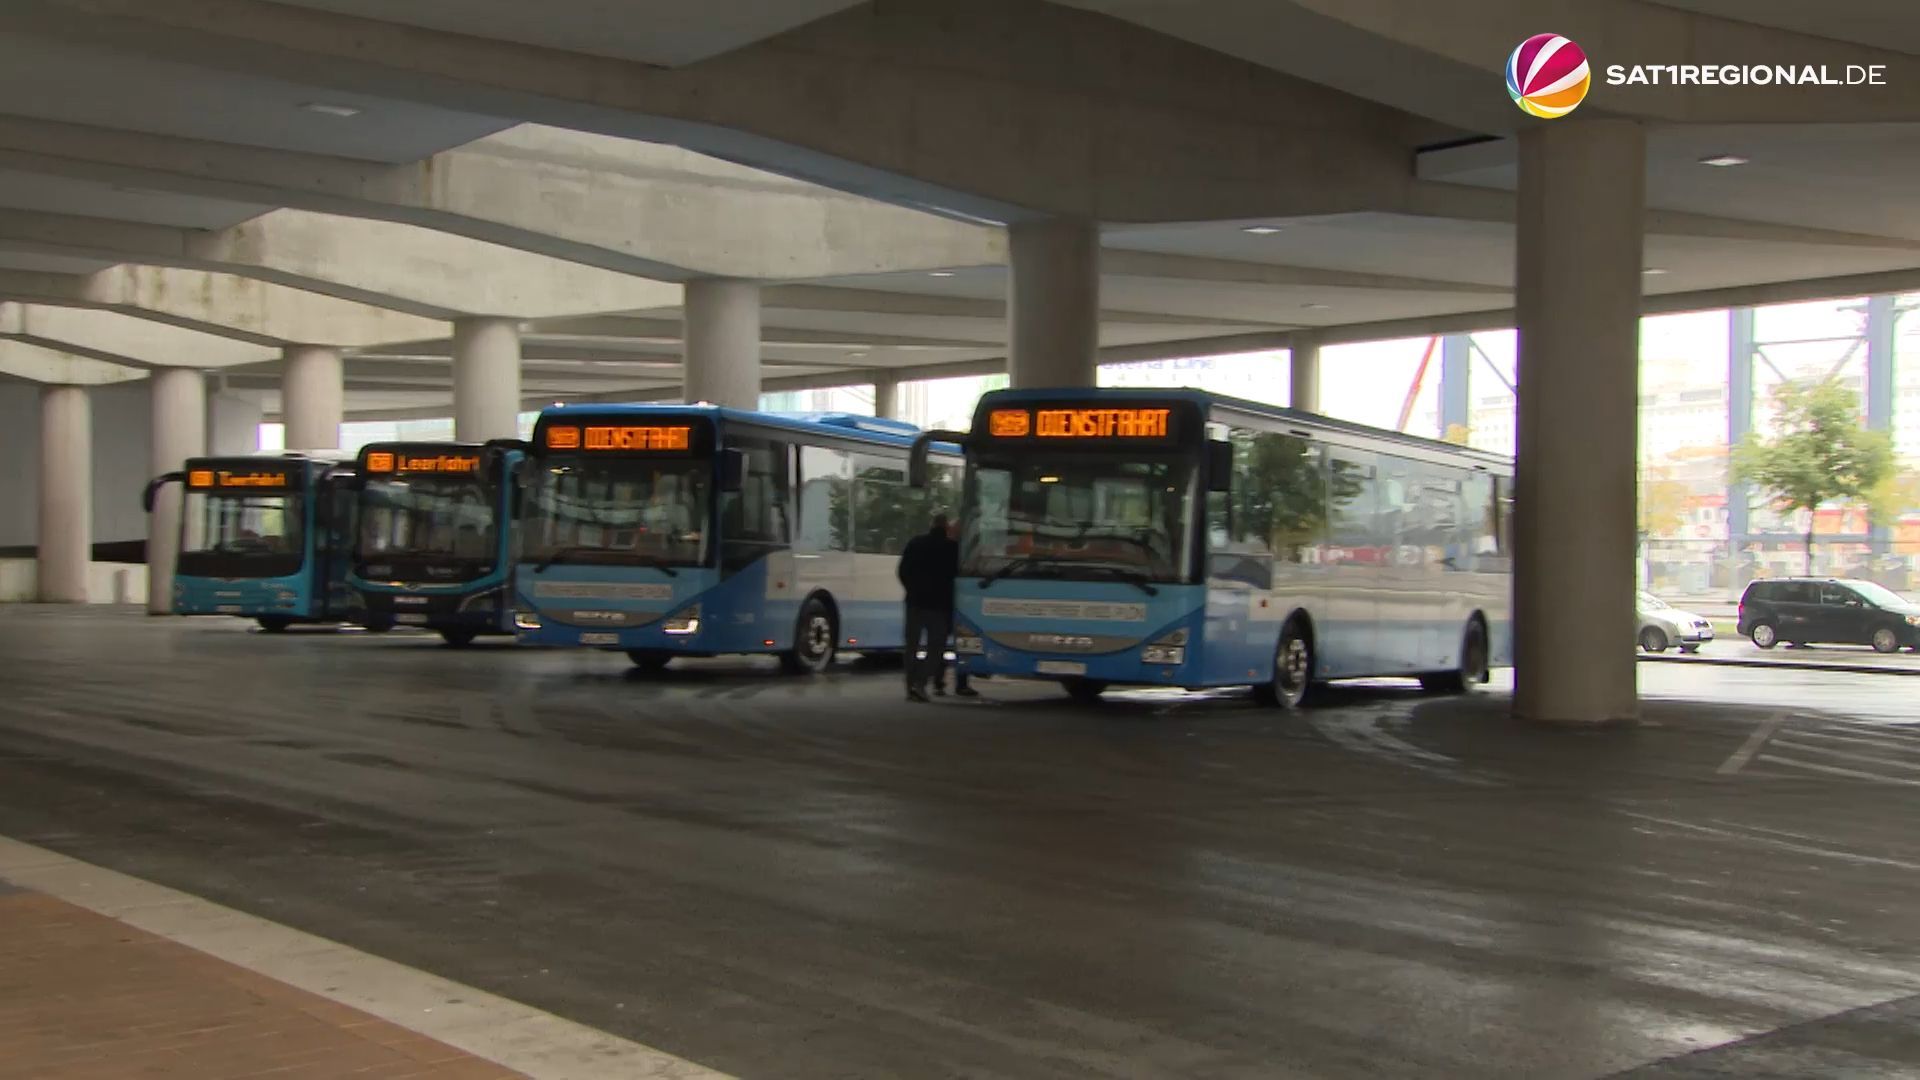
(458, 639)
(274, 624)
(816, 638)
(1291, 685)
(650, 660)
(1474, 664)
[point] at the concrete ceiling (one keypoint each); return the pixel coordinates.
(1884, 24)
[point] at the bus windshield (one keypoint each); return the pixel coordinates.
(440, 517)
(619, 511)
(1080, 516)
(242, 534)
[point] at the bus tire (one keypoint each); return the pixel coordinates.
(816, 639)
(1291, 685)
(1084, 691)
(1474, 666)
(274, 624)
(458, 639)
(650, 661)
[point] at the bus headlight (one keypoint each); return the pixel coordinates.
(1913, 620)
(683, 622)
(1166, 649)
(526, 620)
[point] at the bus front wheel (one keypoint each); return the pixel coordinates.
(816, 637)
(1293, 668)
(1474, 664)
(458, 639)
(1084, 691)
(274, 624)
(650, 661)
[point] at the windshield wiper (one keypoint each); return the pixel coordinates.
(581, 549)
(1007, 570)
(1132, 577)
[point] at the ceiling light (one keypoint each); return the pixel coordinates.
(1317, 307)
(1654, 270)
(1261, 230)
(939, 273)
(325, 108)
(1723, 160)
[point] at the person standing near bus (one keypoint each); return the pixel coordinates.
(928, 568)
(962, 683)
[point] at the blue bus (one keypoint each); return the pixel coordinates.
(692, 530)
(434, 543)
(265, 537)
(1179, 538)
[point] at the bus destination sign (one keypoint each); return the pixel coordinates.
(237, 479)
(405, 461)
(672, 438)
(1074, 423)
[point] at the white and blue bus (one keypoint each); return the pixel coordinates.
(435, 538)
(692, 530)
(1179, 538)
(264, 537)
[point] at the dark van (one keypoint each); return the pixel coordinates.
(1803, 611)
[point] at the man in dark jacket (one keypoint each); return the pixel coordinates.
(928, 567)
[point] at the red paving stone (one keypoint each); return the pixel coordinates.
(85, 997)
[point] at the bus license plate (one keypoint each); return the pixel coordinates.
(410, 620)
(1060, 667)
(599, 639)
(229, 609)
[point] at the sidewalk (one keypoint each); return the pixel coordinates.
(87, 997)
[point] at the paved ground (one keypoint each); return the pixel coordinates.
(809, 878)
(1732, 649)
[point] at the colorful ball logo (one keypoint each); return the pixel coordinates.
(1547, 76)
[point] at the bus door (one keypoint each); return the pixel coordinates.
(1355, 565)
(336, 520)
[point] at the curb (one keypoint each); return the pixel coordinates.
(1912, 671)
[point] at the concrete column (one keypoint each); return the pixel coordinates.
(1303, 373)
(721, 363)
(66, 494)
(179, 432)
(312, 397)
(886, 398)
(1053, 303)
(486, 379)
(233, 424)
(1582, 194)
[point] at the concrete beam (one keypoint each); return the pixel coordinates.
(379, 263)
(222, 304)
(1156, 265)
(37, 363)
(634, 208)
(1088, 117)
(125, 338)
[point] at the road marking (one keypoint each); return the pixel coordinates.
(1844, 755)
(510, 1034)
(1753, 744)
(1768, 841)
(1901, 745)
(1836, 770)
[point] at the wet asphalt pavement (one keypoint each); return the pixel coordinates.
(810, 878)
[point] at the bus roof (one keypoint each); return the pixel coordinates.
(269, 457)
(1207, 400)
(871, 429)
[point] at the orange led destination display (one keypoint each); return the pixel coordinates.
(620, 437)
(1079, 423)
(400, 461)
(229, 479)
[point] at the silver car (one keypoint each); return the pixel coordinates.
(1662, 626)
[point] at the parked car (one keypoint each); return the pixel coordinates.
(1662, 626)
(1805, 611)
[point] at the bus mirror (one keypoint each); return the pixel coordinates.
(1219, 465)
(152, 492)
(733, 469)
(917, 456)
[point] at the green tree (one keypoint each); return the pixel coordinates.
(1819, 452)
(1663, 504)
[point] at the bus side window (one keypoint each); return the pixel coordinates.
(826, 503)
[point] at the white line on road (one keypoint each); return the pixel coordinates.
(1753, 744)
(1836, 770)
(1899, 745)
(517, 1036)
(1768, 841)
(1869, 759)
